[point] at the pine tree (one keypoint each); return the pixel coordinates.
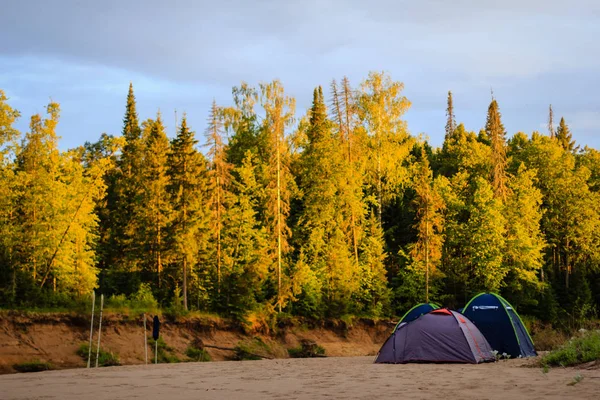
(187, 175)
(428, 248)
(495, 131)
(344, 112)
(219, 176)
(156, 213)
(564, 136)
(451, 120)
(279, 114)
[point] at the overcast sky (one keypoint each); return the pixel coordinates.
(182, 54)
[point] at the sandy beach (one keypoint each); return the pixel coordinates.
(331, 378)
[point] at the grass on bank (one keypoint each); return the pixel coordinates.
(307, 349)
(105, 358)
(578, 350)
(33, 366)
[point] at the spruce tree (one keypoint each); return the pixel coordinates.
(246, 259)
(497, 135)
(124, 200)
(188, 185)
(323, 243)
(156, 210)
(564, 136)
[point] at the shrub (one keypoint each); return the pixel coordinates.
(578, 350)
(144, 299)
(33, 366)
(105, 358)
(165, 352)
(251, 349)
(196, 354)
(118, 302)
(307, 349)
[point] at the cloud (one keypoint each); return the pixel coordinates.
(181, 54)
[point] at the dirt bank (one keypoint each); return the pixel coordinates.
(55, 338)
(331, 378)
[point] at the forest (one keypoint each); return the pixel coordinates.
(341, 211)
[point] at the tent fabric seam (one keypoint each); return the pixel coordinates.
(518, 316)
(502, 303)
(408, 312)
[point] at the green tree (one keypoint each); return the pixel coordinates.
(451, 120)
(564, 136)
(279, 114)
(219, 182)
(524, 241)
(487, 227)
(156, 212)
(245, 248)
(8, 196)
(188, 184)
(323, 244)
(381, 108)
(495, 131)
(120, 246)
(426, 253)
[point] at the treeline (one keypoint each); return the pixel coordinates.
(341, 211)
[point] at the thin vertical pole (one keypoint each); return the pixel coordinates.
(156, 352)
(91, 328)
(145, 339)
(99, 328)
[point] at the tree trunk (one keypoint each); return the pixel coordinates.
(426, 255)
(185, 297)
(278, 223)
(567, 266)
(218, 233)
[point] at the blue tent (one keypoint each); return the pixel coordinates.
(416, 312)
(500, 324)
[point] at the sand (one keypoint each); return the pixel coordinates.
(331, 378)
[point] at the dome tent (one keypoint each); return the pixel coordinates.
(417, 311)
(439, 336)
(500, 324)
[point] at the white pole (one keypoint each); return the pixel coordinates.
(145, 339)
(91, 328)
(99, 328)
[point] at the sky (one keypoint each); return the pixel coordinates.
(180, 55)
